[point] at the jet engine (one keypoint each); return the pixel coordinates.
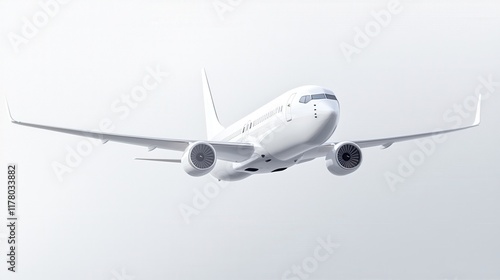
(344, 159)
(199, 159)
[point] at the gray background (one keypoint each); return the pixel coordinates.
(113, 215)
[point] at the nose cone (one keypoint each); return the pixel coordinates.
(326, 109)
(326, 118)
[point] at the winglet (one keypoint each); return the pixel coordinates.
(8, 109)
(477, 120)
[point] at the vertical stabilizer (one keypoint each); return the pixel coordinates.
(213, 125)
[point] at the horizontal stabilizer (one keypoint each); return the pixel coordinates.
(161, 159)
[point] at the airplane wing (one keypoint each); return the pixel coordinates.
(385, 143)
(230, 151)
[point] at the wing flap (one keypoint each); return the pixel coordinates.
(231, 151)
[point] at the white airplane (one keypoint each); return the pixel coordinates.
(293, 128)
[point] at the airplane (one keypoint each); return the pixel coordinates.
(293, 128)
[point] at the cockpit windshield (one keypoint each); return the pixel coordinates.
(306, 98)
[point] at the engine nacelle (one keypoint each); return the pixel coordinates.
(344, 159)
(199, 159)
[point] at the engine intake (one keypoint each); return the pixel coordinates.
(344, 159)
(199, 159)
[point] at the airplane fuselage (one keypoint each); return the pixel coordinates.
(282, 131)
